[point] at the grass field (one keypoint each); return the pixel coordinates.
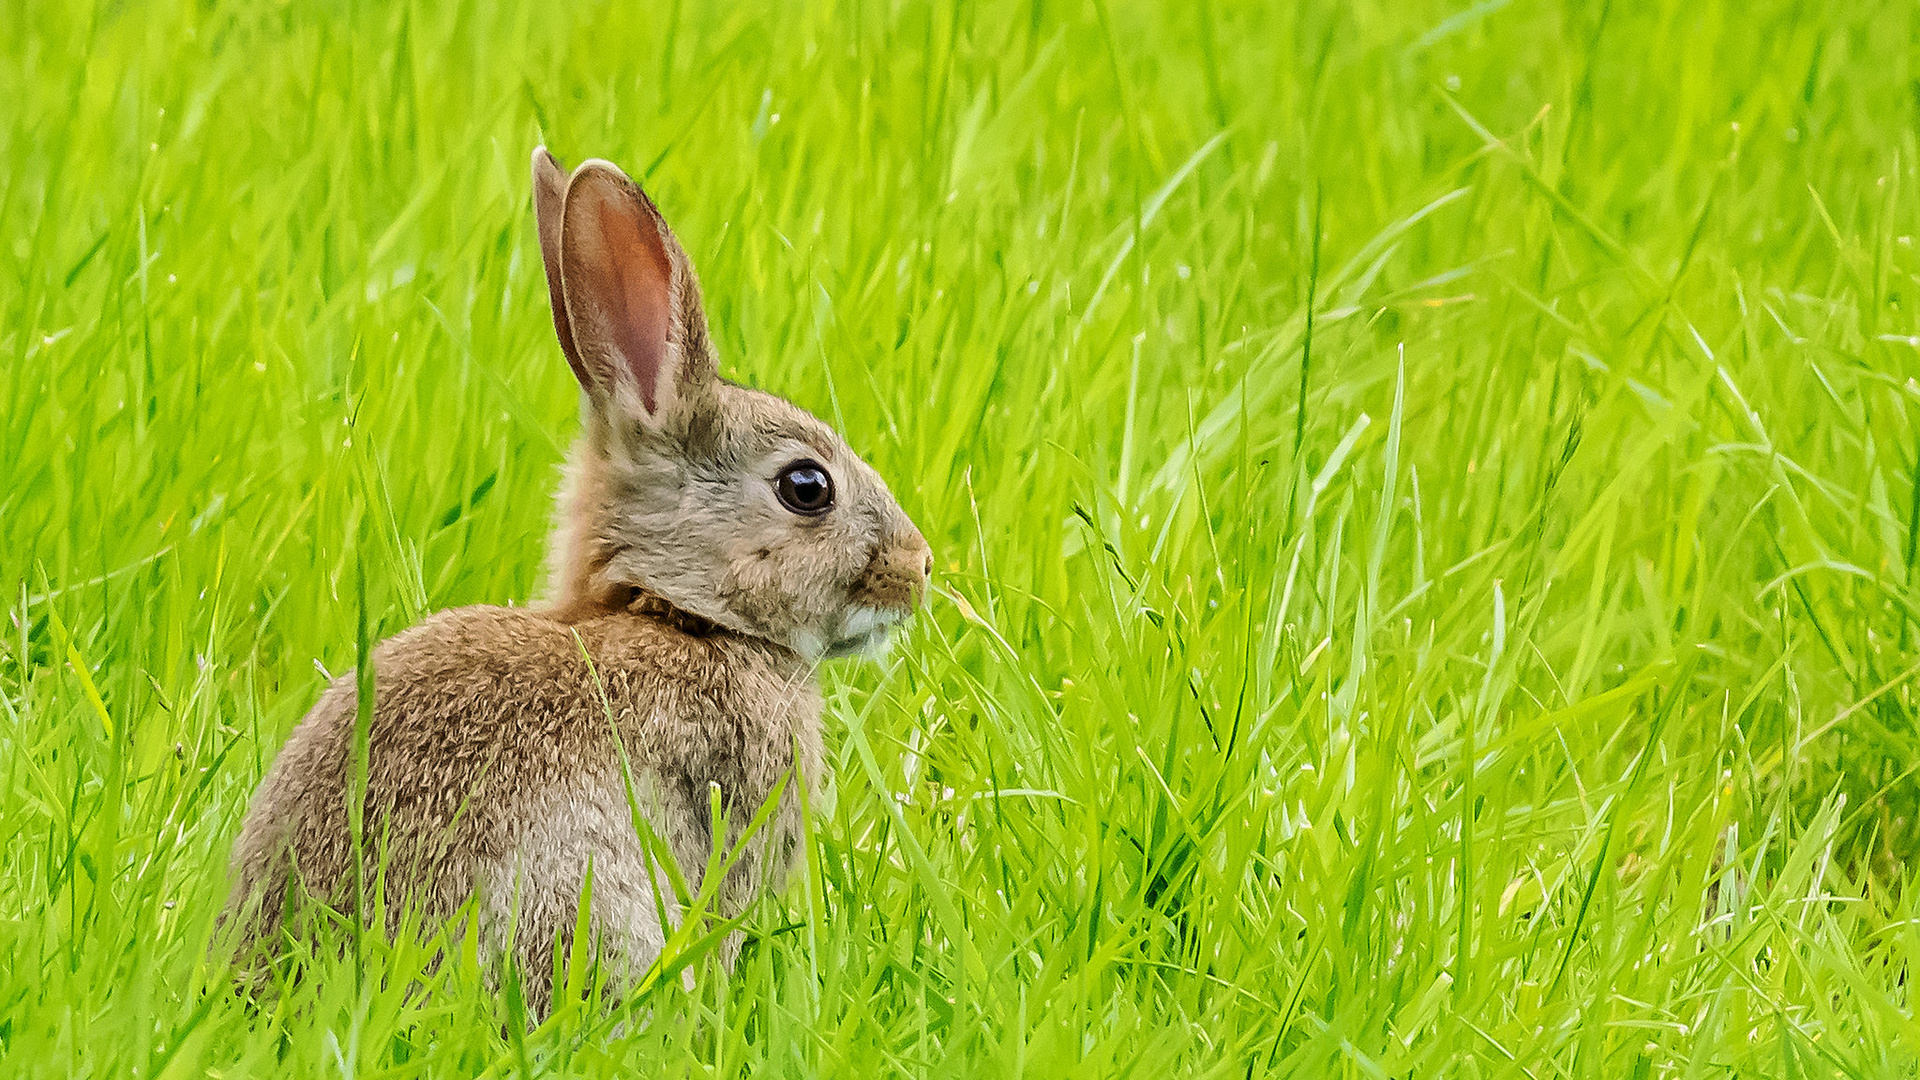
(1424, 498)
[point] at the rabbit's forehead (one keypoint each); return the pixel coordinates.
(767, 426)
(766, 453)
(801, 434)
(764, 434)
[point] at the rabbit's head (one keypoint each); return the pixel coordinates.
(729, 503)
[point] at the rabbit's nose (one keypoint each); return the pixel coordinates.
(897, 576)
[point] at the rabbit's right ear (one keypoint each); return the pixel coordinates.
(549, 203)
(632, 305)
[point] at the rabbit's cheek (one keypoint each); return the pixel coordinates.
(758, 589)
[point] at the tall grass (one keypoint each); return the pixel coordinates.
(1424, 498)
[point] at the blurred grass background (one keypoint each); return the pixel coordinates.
(1424, 497)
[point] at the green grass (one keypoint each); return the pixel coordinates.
(1424, 498)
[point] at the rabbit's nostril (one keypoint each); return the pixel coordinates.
(927, 571)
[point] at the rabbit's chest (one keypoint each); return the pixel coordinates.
(752, 733)
(744, 727)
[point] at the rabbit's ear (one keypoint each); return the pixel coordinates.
(549, 200)
(631, 299)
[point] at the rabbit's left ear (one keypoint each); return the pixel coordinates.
(549, 200)
(632, 304)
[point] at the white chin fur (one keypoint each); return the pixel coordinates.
(863, 620)
(807, 644)
(863, 632)
(872, 645)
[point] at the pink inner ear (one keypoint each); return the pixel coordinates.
(642, 290)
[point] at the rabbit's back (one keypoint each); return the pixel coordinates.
(493, 767)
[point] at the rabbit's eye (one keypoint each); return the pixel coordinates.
(805, 487)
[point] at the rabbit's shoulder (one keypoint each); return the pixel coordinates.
(723, 707)
(469, 678)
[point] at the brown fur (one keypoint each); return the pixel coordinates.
(703, 603)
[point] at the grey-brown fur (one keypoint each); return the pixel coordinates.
(703, 602)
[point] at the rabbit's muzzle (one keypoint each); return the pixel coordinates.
(883, 596)
(896, 578)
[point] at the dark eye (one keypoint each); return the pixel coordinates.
(804, 487)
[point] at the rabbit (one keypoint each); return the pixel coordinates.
(713, 544)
